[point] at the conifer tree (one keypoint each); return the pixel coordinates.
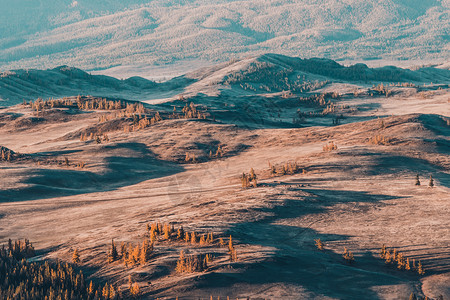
(407, 264)
(146, 252)
(153, 235)
(319, 244)
(180, 233)
(105, 291)
(420, 269)
(76, 257)
(181, 263)
(210, 238)
(273, 170)
(193, 238)
(383, 251)
(166, 231)
(348, 256)
(91, 289)
(113, 255)
(135, 291)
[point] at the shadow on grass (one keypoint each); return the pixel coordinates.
(136, 164)
(292, 260)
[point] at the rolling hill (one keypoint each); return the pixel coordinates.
(262, 74)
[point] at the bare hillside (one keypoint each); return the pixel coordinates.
(336, 163)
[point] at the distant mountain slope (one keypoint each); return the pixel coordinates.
(19, 85)
(102, 34)
(269, 73)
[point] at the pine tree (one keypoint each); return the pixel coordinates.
(230, 244)
(146, 252)
(348, 256)
(319, 244)
(135, 290)
(193, 238)
(417, 180)
(383, 251)
(180, 233)
(431, 183)
(407, 264)
(420, 269)
(91, 289)
(153, 235)
(105, 291)
(166, 232)
(113, 255)
(180, 268)
(202, 240)
(76, 257)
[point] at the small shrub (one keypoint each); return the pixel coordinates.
(348, 256)
(331, 146)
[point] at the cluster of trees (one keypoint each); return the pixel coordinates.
(269, 77)
(381, 90)
(18, 249)
(81, 102)
(329, 109)
(232, 250)
(413, 296)
(6, 154)
(249, 179)
(133, 287)
(219, 152)
(348, 256)
(290, 168)
(159, 231)
(337, 120)
(98, 137)
(41, 105)
(21, 279)
(142, 121)
(190, 112)
(380, 140)
(393, 257)
(80, 164)
(331, 146)
(430, 183)
(85, 103)
(190, 158)
(167, 232)
(192, 263)
(131, 255)
(316, 100)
